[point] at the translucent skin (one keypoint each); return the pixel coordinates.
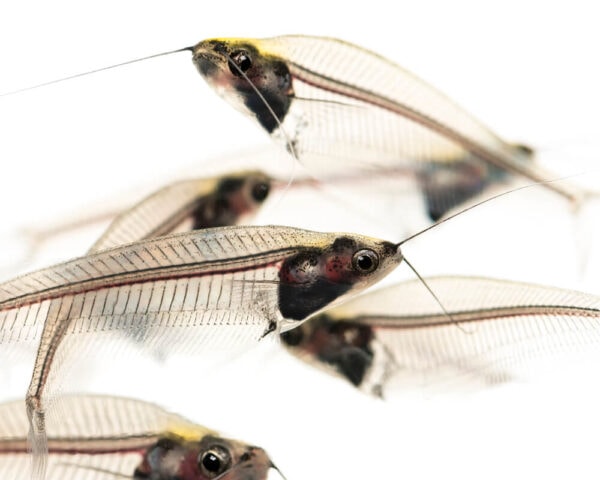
(342, 107)
(231, 276)
(269, 78)
(118, 437)
(173, 457)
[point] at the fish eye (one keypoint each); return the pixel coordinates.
(214, 461)
(365, 261)
(242, 60)
(260, 191)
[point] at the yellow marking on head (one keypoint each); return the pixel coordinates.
(233, 42)
(188, 431)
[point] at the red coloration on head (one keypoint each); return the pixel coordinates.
(337, 267)
(304, 268)
(207, 459)
(188, 468)
(238, 203)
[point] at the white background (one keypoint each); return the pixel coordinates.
(528, 69)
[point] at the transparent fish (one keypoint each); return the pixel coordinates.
(185, 205)
(203, 203)
(398, 336)
(340, 107)
(199, 203)
(102, 437)
(190, 204)
(215, 289)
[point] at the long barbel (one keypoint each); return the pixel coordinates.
(340, 106)
(398, 333)
(223, 288)
(207, 201)
(177, 201)
(103, 437)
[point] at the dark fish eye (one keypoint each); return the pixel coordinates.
(260, 191)
(214, 461)
(240, 60)
(365, 261)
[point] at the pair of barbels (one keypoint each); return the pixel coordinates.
(236, 285)
(199, 290)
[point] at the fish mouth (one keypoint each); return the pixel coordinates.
(206, 68)
(272, 473)
(207, 62)
(393, 251)
(399, 256)
(256, 466)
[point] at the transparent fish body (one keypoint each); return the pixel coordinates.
(201, 203)
(187, 205)
(495, 331)
(218, 289)
(222, 200)
(103, 437)
(228, 199)
(340, 107)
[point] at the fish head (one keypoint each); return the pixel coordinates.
(318, 278)
(209, 458)
(252, 80)
(236, 195)
(245, 192)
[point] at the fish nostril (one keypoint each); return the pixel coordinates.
(245, 457)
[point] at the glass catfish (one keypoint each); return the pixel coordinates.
(201, 202)
(215, 289)
(232, 198)
(104, 438)
(398, 336)
(340, 107)
(190, 204)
